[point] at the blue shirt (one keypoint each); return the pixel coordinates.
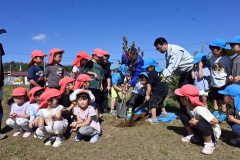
(33, 111)
(117, 79)
(36, 73)
(137, 69)
(202, 84)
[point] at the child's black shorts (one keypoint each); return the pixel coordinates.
(156, 101)
(215, 94)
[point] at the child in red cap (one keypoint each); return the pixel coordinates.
(20, 112)
(35, 101)
(50, 113)
(106, 81)
(87, 122)
(66, 90)
(198, 120)
(35, 71)
(54, 71)
(96, 72)
(83, 83)
(79, 64)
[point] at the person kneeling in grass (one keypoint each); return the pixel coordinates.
(198, 120)
(87, 123)
(232, 97)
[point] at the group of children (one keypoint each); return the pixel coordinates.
(51, 108)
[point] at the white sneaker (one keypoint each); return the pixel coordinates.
(58, 142)
(36, 136)
(152, 120)
(49, 141)
(208, 148)
(191, 138)
(187, 138)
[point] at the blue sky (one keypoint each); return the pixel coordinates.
(85, 25)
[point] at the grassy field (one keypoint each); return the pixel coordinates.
(143, 141)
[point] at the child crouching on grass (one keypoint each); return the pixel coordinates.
(138, 93)
(201, 74)
(87, 122)
(116, 92)
(198, 120)
(158, 86)
(35, 101)
(50, 113)
(232, 96)
(19, 115)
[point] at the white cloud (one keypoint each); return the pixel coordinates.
(56, 34)
(40, 38)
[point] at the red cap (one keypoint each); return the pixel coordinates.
(82, 78)
(80, 55)
(19, 91)
(36, 53)
(105, 53)
(191, 92)
(54, 50)
(32, 92)
(63, 83)
(47, 95)
(98, 52)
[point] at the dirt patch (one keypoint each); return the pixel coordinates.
(138, 120)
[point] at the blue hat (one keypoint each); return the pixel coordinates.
(219, 42)
(109, 61)
(152, 61)
(233, 90)
(144, 73)
(235, 40)
(124, 68)
(199, 57)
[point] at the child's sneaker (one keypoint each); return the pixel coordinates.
(49, 141)
(187, 138)
(27, 134)
(222, 117)
(58, 142)
(36, 136)
(235, 141)
(78, 138)
(208, 148)
(215, 113)
(113, 112)
(17, 133)
(152, 120)
(94, 138)
(129, 114)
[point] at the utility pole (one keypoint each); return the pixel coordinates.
(202, 46)
(10, 75)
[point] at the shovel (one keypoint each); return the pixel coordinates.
(138, 109)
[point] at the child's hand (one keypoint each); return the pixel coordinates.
(236, 79)
(101, 88)
(96, 76)
(108, 88)
(49, 117)
(31, 124)
(123, 92)
(73, 130)
(194, 67)
(36, 122)
(193, 122)
(41, 127)
(231, 78)
(74, 124)
(200, 64)
(13, 115)
(230, 118)
(147, 98)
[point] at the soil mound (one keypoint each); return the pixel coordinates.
(138, 120)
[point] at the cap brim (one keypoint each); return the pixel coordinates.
(177, 92)
(228, 52)
(82, 92)
(195, 61)
(222, 92)
(158, 69)
(17, 94)
(145, 66)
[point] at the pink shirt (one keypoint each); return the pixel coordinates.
(21, 110)
(90, 112)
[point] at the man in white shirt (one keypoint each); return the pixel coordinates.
(178, 60)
